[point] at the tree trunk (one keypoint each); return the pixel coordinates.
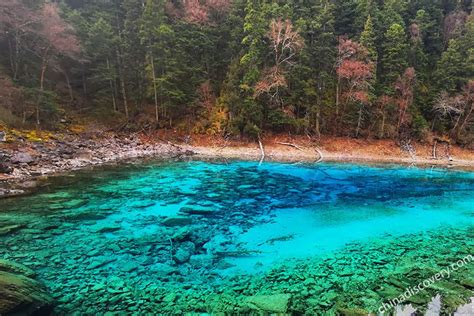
(84, 83)
(359, 121)
(44, 66)
(382, 127)
(112, 89)
(337, 94)
(68, 82)
(155, 90)
(122, 85)
(464, 121)
(12, 62)
(318, 129)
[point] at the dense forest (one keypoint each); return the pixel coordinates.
(396, 69)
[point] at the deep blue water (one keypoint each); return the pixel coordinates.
(90, 229)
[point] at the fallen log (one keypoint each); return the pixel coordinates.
(291, 145)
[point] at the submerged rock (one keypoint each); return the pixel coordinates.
(277, 303)
(184, 252)
(16, 268)
(20, 294)
(8, 229)
(108, 229)
(197, 211)
(176, 221)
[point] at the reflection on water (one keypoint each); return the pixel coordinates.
(210, 236)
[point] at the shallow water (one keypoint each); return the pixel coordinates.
(98, 241)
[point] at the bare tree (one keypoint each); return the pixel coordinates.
(286, 43)
(457, 109)
(16, 22)
(56, 37)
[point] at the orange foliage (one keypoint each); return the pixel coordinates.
(355, 70)
(197, 11)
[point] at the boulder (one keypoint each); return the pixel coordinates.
(21, 157)
(5, 168)
(277, 303)
(20, 294)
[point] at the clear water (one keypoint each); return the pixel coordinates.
(98, 241)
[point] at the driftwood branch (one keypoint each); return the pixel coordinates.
(291, 145)
(262, 150)
(435, 144)
(169, 143)
(321, 157)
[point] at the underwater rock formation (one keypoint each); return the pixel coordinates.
(19, 293)
(277, 303)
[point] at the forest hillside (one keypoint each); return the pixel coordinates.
(385, 69)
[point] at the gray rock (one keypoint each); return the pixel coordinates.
(21, 157)
(5, 168)
(3, 136)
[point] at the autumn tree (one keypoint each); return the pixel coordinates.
(55, 37)
(17, 21)
(285, 43)
(198, 11)
(354, 71)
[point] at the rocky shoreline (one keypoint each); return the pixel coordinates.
(22, 162)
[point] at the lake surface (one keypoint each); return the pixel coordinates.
(212, 237)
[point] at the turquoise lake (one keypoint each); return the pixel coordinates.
(176, 237)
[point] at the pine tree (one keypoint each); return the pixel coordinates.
(367, 39)
(394, 58)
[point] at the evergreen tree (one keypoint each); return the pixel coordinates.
(345, 11)
(368, 40)
(394, 58)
